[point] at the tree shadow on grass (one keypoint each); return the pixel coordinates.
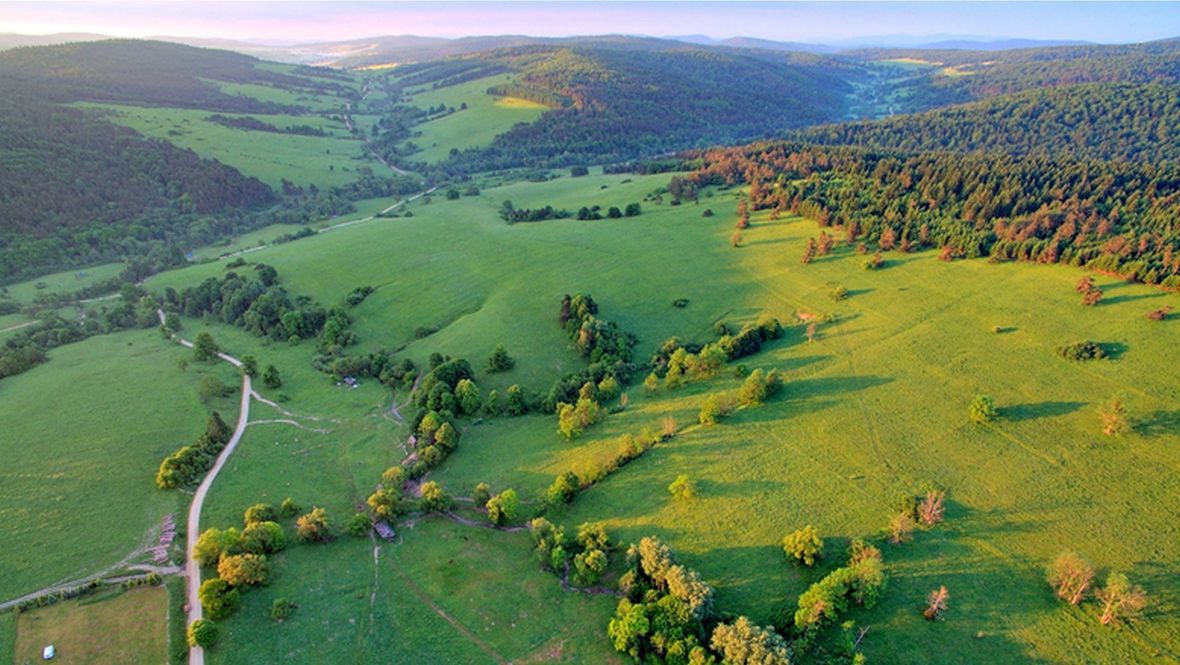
(1159, 581)
(1114, 300)
(1114, 350)
(1034, 410)
(1160, 423)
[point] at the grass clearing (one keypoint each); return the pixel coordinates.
(109, 409)
(128, 627)
(61, 282)
(485, 117)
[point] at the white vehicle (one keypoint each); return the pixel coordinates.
(48, 652)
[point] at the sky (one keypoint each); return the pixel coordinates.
(814, 22)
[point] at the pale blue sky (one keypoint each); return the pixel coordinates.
(788, 21)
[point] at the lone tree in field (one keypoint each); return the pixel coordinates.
(804, 545)
(931, 508)
(250, 366)
(1091, 292)
(682, 488)
(500, 361)
(982, 410)
(1071, 577)
(1120, 600)
(936, 604)
(202, 633)
(808, 251)
(271, 378)
(1114, 417)
(204, 347)
(735, 240)
(901, 528)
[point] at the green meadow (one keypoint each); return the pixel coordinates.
(119, 627)
(83, 499)
(873, 407)
(62, 282)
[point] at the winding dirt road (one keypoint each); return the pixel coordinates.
(192, 569)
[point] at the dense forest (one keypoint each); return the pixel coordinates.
(1101, 120)
(1116, 217)
(615, 104)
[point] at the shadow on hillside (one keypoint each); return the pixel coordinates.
(852, 293)
(1160, 423)
(1034, 410)
(828, 386)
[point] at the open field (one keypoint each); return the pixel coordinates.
(267, 234)
(62, 282)
(496, 115)
(82, 499)
(127, 627)
(874, 407)
(269, 156)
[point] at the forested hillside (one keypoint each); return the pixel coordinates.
(77, 189)
(1110, 216)
(1125, 121)
(62, 168)
(614, 104)
(145, 73)
(968, 75)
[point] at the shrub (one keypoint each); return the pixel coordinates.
(260, 512)
(715, 408)
(218, 599)
(502, 507)
(281, 609)
(210, 388)
(1086, 350)
(682, 488)
(500, 361)
(564, 488)
(314, 527)
(358, 525)
(244, 569)
(202, 633)
(839, 293)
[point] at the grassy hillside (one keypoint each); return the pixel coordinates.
(84, 435)
(271, 156)
(486, 117)
(876, 405)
